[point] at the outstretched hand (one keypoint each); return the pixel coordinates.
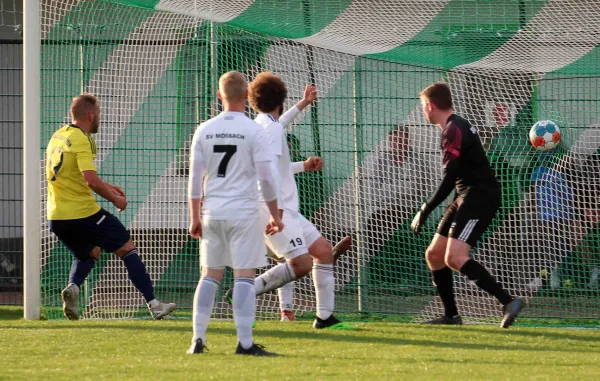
(310, 93)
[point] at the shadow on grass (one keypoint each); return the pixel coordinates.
(352, 337)
(593, 335)
(11, 313)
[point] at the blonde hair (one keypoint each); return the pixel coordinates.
(82, 104)
(233, 85)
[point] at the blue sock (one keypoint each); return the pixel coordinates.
(138, 275)
(80, 270)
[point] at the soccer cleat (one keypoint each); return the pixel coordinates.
(511, 311)
(161, 310)
(229, 296)
(331, 323)
(197, 347)
(446, 320)
(287, 315)
(254, 350)
(341, 248)
(70, 297)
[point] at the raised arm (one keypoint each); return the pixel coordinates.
(310, 95)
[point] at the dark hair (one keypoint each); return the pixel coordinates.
(439, 94)
(267, 92)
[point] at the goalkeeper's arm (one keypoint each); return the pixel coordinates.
(444, 189)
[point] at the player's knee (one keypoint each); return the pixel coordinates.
(126, 248)
(322, 251)
(302, 265)
(95, 253)
(434, 255)
(453, 260)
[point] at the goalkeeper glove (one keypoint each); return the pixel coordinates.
(420, 219)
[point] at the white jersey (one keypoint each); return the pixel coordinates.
(288, 195)
(230, 145)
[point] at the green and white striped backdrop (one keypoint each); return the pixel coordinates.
(154, 66)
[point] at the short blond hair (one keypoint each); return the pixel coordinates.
(82, 104)
(233, 85)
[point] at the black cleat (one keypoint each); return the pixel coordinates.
(331, 323)
(197, 347)
(254, 350)
(446, 320)
(229, 296)
(511, 311)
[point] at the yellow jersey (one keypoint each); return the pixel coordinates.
(69, 152)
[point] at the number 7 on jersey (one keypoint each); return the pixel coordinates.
(228, 150)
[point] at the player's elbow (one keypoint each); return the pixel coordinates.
(91, 179)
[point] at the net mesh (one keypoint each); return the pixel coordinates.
(155, 64)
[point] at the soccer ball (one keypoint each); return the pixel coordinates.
(544, 135)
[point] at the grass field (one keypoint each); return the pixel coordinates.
(142, 350)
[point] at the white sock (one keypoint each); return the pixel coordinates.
(274, 278)
(286, 296)
(204, 300)
(244, 307)
(153, 303)
(325, 289)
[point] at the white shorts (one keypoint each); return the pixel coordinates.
(238, 244)
(297, 236)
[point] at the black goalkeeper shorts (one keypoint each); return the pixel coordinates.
(467, 218)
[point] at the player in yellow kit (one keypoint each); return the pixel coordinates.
(75, 216)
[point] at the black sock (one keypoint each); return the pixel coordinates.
(477, 273)
(138, 274)
(445, 287)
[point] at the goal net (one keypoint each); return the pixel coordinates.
(155, 64)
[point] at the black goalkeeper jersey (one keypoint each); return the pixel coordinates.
(466, 166)
(465, 157)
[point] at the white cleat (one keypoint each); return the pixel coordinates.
(70, 297)
(161, 310)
